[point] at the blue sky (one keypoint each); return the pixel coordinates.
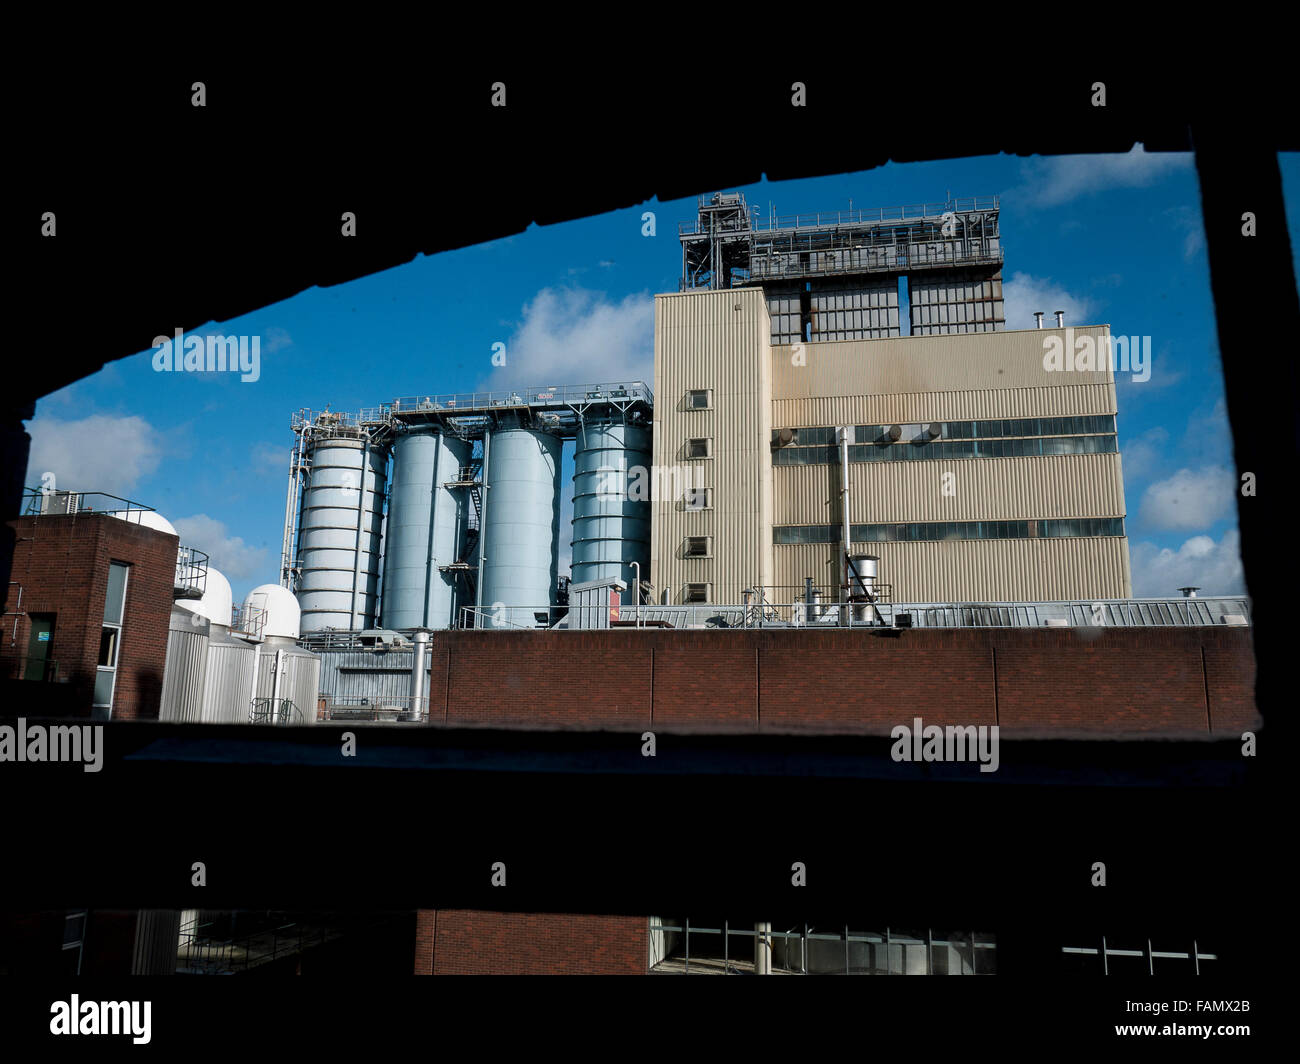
(1115, 239)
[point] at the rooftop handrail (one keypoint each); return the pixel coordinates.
(761, 221)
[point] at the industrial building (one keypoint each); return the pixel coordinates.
(804, 445)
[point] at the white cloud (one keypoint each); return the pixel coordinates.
(270, 459)
(1200, 562)
(235, 558)
(1058, 179)
(1142, 456)
(96, 453)
(1189, 499)
(1024, 294)
(576, 336)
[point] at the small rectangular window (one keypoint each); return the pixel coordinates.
(697, 592)
(108, 640)
(699, 399)
(116, 594)
(699, 447)
(698, 546)
(699, 498)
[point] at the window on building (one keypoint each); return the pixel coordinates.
(699, 498)
(698, 546)
(110, 639)
(700, 447)
(699, 399)
(74, 934)
(698, 592)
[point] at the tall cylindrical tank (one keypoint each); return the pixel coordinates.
(426, 529)
(521, 528)
(339, 541)
(611, 506)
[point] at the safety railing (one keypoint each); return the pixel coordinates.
(191, 573)
(553, 395)
(813, 950)
(396, 708)
(766, 222)
(275, 711)
(248, 620)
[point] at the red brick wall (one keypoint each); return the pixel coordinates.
(467, 942)
(1046, 681)
(62, 563)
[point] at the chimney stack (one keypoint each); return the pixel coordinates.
(1060, 318)
(1038, 319)
(1189, 592)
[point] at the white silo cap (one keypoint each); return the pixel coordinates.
(215, 605)
(283, 613)
(147, 518)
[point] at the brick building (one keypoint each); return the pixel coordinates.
(86, 613)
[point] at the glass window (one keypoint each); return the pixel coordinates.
(699, 399)
(104, 687)
(108, 640)
(698, 447)
(113, 601)
(697, 499)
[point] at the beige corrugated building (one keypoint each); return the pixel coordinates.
(1004, 481)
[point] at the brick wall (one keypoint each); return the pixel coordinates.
(465, 942)
(62, 563)
(1032, 682)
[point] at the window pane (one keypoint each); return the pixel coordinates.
(116, 590)
(108, 638)
(104, 687)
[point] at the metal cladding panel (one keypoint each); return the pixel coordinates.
(946, 363)
(157, 940)
(183, 673)
(228, 682)
(522, 524)
(990, 570)
(348, 676)
(339, 497)
(906, 408)
(982, 489)
(611, 505)
(300, 673)
(719, 340)
(426, 529)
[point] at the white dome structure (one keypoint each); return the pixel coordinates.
(148, 518)
(215, 605)
(283, 615)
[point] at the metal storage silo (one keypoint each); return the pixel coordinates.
(610, 529)
(426, 529)
(339, 541)
(185, 667)
(521, 527)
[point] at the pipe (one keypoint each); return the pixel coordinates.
(420, 643)
(275, 687)
(356, 554)
(1060, 318)
(1038, 319)
(843, 438)
(482, 528)
(763, 949)
(637, 600)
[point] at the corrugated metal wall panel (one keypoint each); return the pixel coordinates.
(1061, 400)
(228, 683)
(985, 489)
(182, 693)
(719, 340)
(928, 364)
(977, 570)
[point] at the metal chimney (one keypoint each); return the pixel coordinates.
(1060, 318)
(1189, 592)
(1038, 319)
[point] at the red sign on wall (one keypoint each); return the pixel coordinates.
(613, 605)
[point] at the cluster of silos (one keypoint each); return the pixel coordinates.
(340, 533)
(611, 504)
(427, 526)
(520, 541)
